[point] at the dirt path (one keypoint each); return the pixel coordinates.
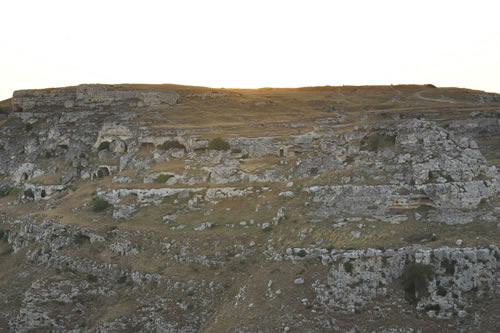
(441, 100)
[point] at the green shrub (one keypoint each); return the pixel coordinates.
(302, 253)
(5, 190)
(28, 194)
(236, 151)
(28, 127)
(4, 234)
(218, 144)
(162, 179)
(104, 146)
(171, 144)
(349, 159)
(92, 278)
(348, 267)
(415, 279)
(98, 205)
(269, 228)
(377, 142)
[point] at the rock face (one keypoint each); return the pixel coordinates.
(88, 96)
(116, 216)
(357, 277)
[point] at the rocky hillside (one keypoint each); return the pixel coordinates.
(164, 208)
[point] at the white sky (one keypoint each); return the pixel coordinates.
(254, 43)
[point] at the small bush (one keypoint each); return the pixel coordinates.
(104, 146)
(4, 234)
(415, 279)
(349, 159)
(302, 253)
(99, 205)
(162, 179)
(218, 144)
(28, 194)
(171, 144)
(269, 228)
(429, 85)
(236, 151)
(378, 142)
(348, 267)
(5, 190)
(28, 127)
(92, 278)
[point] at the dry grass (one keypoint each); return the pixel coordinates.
(265, 162)
(46, 179)
(174, 165)
(269, 111)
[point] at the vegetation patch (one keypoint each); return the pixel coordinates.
(92, 278)
(348, 267)
(28, 194)
(349, 159)
(99, 205)
(302, 253)
(5, 190)
(171, 145)
(162, 179)
(268, 228)
(4, 234)
(218, 144)
(415, 280)
(28, 127)
(378, 142)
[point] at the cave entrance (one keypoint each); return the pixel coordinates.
(282, 152)
(103, 172)
(43, 194)
(147, 146)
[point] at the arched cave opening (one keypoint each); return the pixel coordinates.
(103, 172)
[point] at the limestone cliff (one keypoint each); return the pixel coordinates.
(182, 209)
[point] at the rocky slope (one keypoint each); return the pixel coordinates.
(186, 209)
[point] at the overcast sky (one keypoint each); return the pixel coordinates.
(288, 43)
